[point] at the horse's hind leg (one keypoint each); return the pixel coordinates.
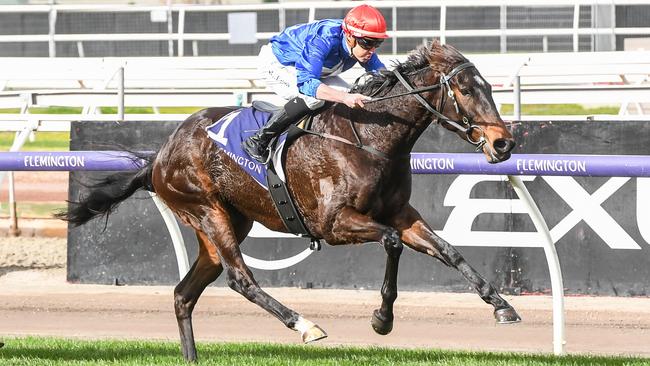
(419, 236)
(205, 270)
(219, 230)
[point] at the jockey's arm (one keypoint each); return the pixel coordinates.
(309, 69)
(328, 93)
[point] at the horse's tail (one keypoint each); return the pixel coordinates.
(105, 195)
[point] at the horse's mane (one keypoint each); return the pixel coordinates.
(434, 56)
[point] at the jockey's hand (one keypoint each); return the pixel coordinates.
(355, 100)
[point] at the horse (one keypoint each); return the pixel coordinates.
(356, 189)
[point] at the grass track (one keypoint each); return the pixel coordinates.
(55, 351)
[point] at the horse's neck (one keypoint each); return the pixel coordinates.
(386, 128)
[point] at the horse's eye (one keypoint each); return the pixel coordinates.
(466, 92)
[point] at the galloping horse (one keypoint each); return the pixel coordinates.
(350, 189)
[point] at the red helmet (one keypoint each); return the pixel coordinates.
(365, 21)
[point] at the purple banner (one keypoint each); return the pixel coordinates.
(533, 164)
(69, 161)
(421, 163)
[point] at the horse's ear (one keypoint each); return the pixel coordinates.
(434, 49)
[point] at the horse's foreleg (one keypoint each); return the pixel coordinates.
(417, 234)
(205, 270)
(382, 318)
(355, 227)
(219, 230)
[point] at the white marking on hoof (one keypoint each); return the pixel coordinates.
(309, 331)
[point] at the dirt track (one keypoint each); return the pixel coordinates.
(37, 187)
(39, 302)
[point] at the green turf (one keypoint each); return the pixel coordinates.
(43, 141)
(52, 352)
(33, 210)
(55, 110)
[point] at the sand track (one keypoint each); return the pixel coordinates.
(38, 301)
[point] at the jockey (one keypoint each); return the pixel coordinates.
(301, 65)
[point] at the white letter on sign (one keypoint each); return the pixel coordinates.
(587, 207)
(458, 228)
(643, 207)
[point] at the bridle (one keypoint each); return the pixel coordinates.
(465, 126)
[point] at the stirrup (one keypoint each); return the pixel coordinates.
(269, 151)
(265, 160)
(268, 157)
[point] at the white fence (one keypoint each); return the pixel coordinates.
(612, 78)
(505, 21)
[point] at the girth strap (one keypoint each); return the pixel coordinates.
(284, 203)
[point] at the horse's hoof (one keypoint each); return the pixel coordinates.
(313, 334)
(380, 325)
(507, 316)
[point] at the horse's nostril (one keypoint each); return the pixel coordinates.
(503, 146)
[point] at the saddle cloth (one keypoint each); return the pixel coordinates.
(236, 126)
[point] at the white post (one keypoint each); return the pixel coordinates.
(555, 272)
(312, 15)
(282, 18)
(443, 23)
(576, 25)
(80, 49)
(503, 26)
(120, 93)
(19, 141)
(394, 27)
(181, 32)
(175, 233)
(52, 30)
(13, 214)
(517, 88)
(170, 29)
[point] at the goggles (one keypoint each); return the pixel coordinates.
(369, 43)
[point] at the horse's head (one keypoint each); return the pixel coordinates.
(466, 101)
(455, 94)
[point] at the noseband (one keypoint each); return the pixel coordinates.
(464, 126)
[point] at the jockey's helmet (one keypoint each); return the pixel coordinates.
(365, 21)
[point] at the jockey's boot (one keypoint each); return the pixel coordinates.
(257, 146)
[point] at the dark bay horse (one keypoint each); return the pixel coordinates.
(346, 194)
